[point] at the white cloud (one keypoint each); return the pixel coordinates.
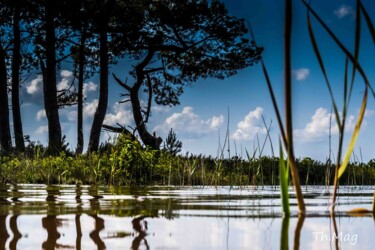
(344, 11)
(301, 74)
(66, 78)
(250, 126)
(42, 130)
(89, 87)
(41, 114)
(122, 114)
(90, 108)
(216, 121)
(35, 86)
(66, 74)
(318, 128)
(189, 124)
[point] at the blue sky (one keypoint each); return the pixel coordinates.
(200, 121)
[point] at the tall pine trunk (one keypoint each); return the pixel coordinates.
(103, 92)
(5, 137)
(49, 88)
(81, 65)
(16, 63)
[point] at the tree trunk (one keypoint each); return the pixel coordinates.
(103, 92)
(5, 137)
(16, 63)
(49, 88)
(81, 65)
(148, 139)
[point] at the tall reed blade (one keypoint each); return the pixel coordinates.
(272, 93)
(340, 45)
(284, 183)
(368, 20)
(321, 64)
(354, 136)
(288, 104)
(356, 47)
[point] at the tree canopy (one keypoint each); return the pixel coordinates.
(170, 43)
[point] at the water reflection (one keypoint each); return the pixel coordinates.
(77, 223)
(284, 235)
(91, 217)
(94, 235)
(3, 232)
(140, 226)
(50, 223)
(16, 233)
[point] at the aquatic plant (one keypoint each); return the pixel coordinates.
(284, 183)
(287, 129)
(342, 163)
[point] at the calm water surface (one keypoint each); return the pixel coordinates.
(87, 217)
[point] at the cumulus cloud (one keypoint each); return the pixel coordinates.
(250, 126)
(66, 74)
(42, 130)
(90, 108)
(343, 11)
(122, 114)
(35, 86)
(188, 123)
(301, 74)
(89, 87)
(66, 78)
(318, 128)
(41, 114)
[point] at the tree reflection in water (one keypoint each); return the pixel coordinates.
(16, 233)
(50, 223)
(94, 235)
(3, 232)
(140, 226)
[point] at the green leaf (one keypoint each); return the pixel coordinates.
(321, 64)
(354, 136)
(284, 183)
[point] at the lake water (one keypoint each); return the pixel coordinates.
(87, 217)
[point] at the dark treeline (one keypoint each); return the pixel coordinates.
(170, 44)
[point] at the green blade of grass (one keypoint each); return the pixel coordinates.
(321, 64)
(370, 25)
(356, 47)
(272, 93)
(354, 136)
(288, 104)
(284, 182)
(346, 100)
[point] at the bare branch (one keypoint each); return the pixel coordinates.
(122, 84)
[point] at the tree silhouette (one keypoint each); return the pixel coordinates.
(180, 42)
